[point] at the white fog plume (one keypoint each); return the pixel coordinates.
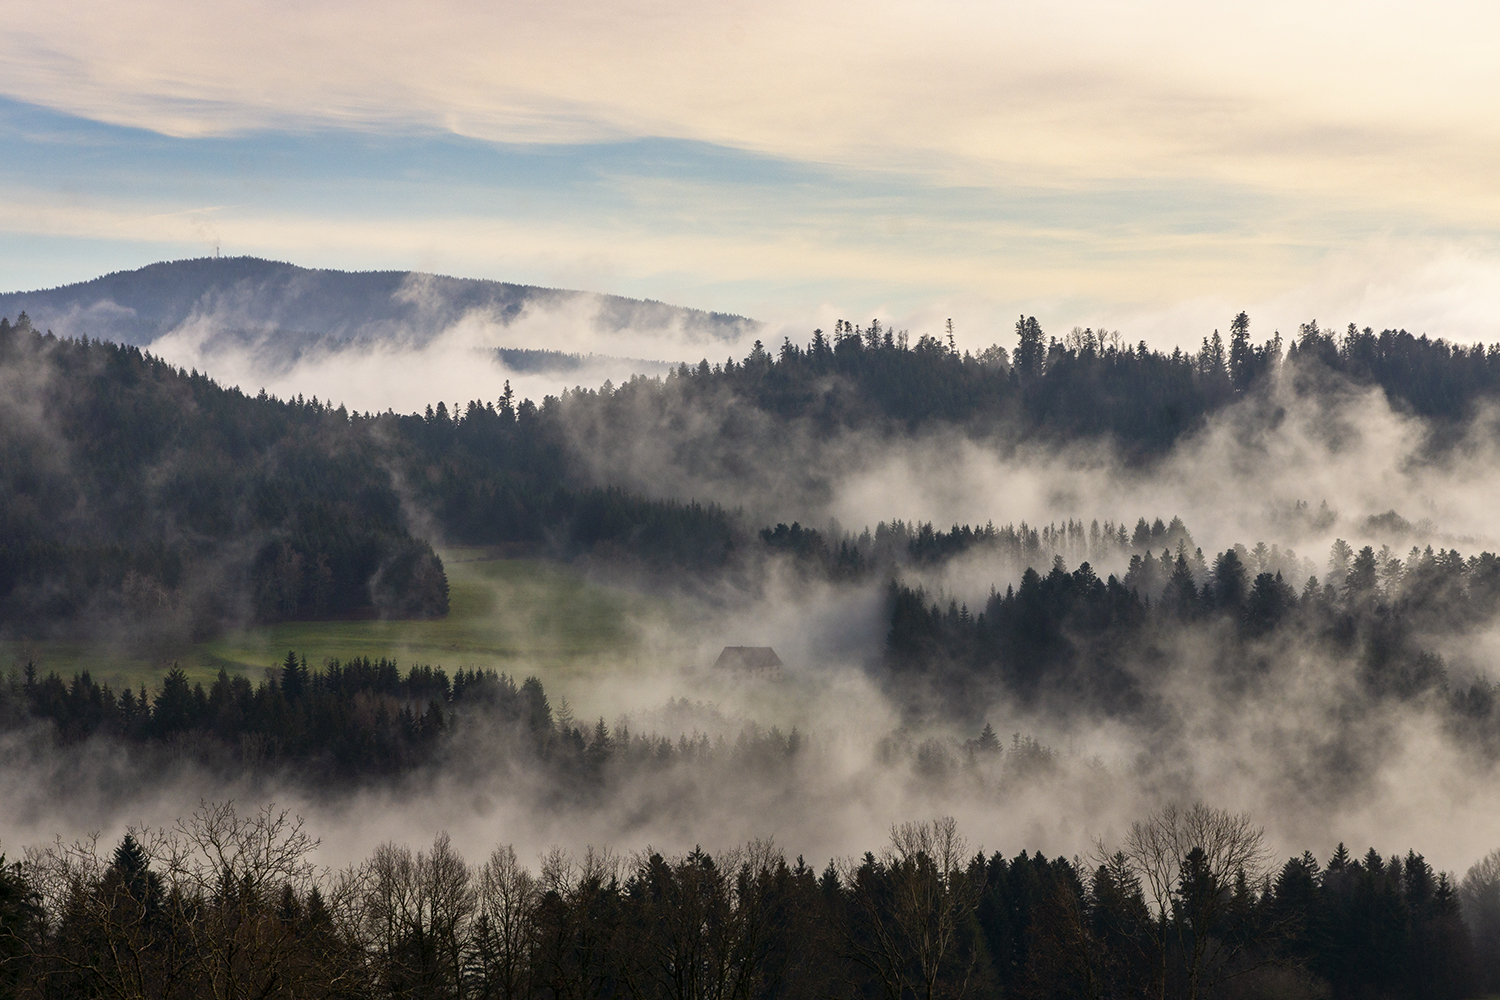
(1301, 749)
(1238, 479)
(1273, 754)
(374, 341)
(459, 364)
(406, 368)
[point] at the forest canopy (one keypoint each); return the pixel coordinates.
(133, 491)
(1187, 905)
(142, 501)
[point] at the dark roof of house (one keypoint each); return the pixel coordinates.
(748, 658)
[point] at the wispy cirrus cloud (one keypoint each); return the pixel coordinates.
(1089, 161)
(1337, 95)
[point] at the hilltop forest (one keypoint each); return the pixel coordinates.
(131, 491)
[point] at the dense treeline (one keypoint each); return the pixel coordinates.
(489, 469)
(135, 497)
(499, 473)
(1086, 385)
(1432, 378)
(876, 378)
(1185, 907)
(1093, 643)
(132, 492)
(364, 718)
(897, 545)
(527, 360)
(510, 472)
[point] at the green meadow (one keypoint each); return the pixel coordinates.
(518, 616)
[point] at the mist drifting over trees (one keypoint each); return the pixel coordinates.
(1168, 640)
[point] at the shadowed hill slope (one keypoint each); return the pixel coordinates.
(248, 294)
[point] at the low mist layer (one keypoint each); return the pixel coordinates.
(1044, 591)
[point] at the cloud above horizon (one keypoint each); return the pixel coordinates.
(1092, 162)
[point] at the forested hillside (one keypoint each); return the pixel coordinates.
(140, 500)
(134, 495)
(132, 488)
(492, 471)
(1078, 644)
(1084, 386)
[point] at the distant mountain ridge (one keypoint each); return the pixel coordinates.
(249, 296)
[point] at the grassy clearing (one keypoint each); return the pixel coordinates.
(519, 616)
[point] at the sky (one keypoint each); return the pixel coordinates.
(1152, 167)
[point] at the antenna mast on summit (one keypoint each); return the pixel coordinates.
(216, 251)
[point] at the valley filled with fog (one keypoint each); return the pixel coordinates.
(779, 501)
(463, 568)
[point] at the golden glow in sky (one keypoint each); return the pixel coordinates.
(1145, 165)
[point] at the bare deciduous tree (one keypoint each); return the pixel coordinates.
(504, 938)
(190, 911)
(228, 870)
(914, 902)
(1189, 862)
(414, 911)
(579, 929)
(112, 940)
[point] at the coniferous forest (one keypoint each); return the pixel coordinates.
(228, 904)
(146, 506)
(135, 490)
(753, 501)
